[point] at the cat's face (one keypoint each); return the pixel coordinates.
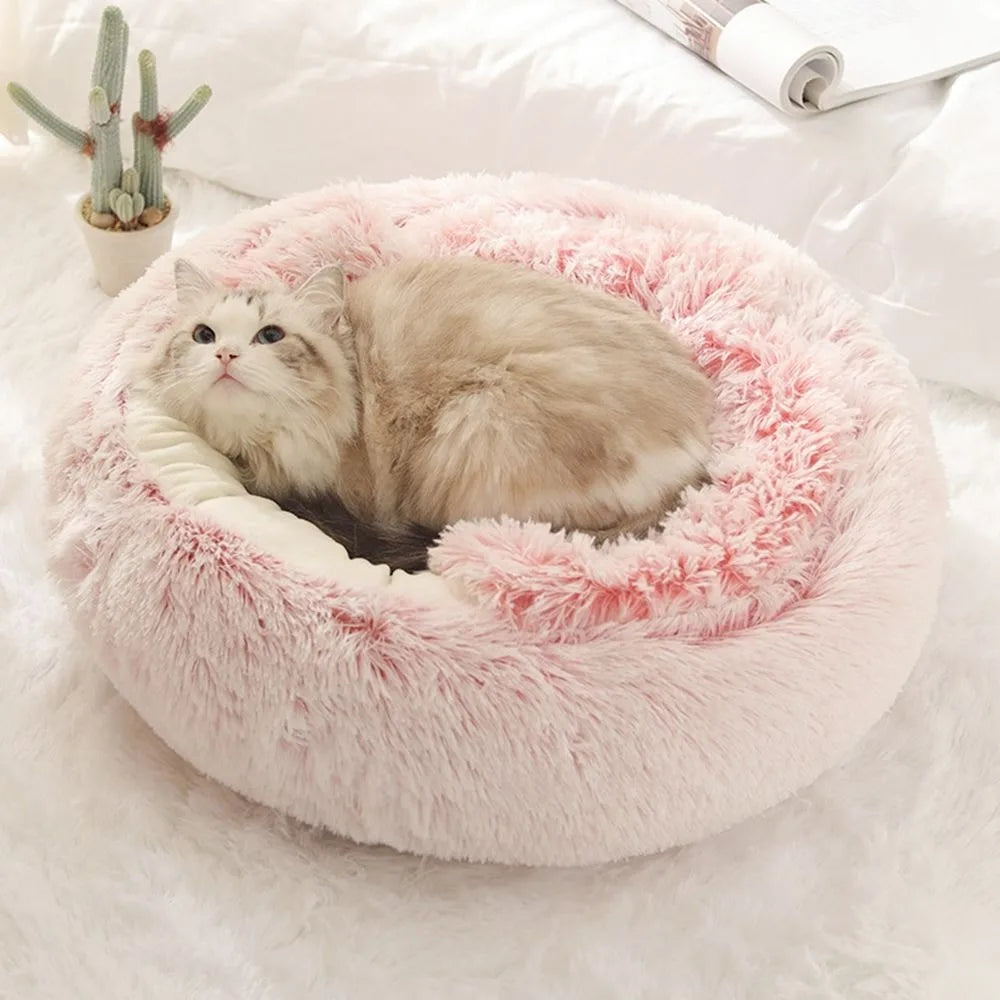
(252, 360)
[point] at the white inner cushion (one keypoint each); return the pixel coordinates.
(190, 473)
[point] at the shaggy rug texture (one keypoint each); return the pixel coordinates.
(540, 700)
(123, 873)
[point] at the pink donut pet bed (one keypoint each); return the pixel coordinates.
(533, 698)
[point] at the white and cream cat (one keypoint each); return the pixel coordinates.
(431, 391)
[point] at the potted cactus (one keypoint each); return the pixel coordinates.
(126, 218)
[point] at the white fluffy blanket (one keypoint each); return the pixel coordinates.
(124, 874)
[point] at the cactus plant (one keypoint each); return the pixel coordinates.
(130, 198)
(152, 128)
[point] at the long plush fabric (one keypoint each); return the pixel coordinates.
(533, 699)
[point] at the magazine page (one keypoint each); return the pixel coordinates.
(887, 44)
(753, 42)
(806, 56)
(778, 59)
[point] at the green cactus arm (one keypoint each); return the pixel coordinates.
(109, 61)
(48, 120)
(118, 80)
(106, 167)
(153, 129)
(138, 204)
(149, 98)
(130, 180)
(144, 123)
(186, 113)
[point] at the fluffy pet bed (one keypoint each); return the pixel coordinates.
(533, 699)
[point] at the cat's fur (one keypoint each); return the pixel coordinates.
(431, 391)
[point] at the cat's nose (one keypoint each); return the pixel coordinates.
(226, 354)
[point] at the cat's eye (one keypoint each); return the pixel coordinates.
(269, 335)
(203, 334)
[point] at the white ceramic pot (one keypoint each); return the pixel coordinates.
(120, 258)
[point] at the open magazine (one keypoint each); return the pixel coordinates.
(807, 56)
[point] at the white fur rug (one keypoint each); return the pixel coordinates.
(124, 874)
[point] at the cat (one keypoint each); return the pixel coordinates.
(435, 390)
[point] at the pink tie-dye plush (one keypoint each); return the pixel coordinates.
(584, 704)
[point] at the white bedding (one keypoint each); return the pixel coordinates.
(897, 197)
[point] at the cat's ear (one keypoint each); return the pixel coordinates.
(324, 290)
(191, 283)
